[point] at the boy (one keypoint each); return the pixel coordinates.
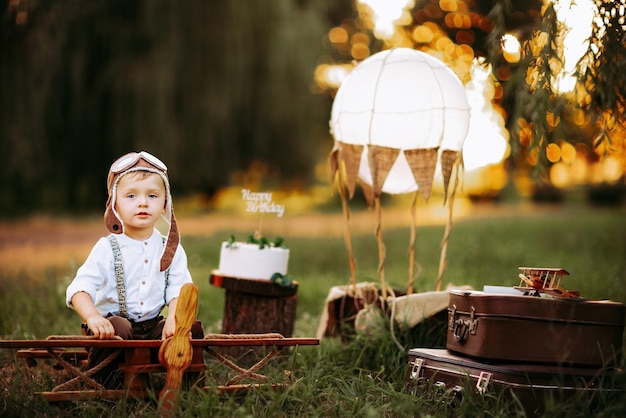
(134, 272)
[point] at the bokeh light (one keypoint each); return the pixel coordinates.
(553, 153)
(487, 139)
(511, 48)
(384, 15)
(577, 17)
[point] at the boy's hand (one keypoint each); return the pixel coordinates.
(101, 327)
(169, 327)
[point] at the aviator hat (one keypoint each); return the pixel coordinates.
(141, 161)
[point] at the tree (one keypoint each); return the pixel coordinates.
(214, 88)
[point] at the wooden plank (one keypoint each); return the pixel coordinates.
(212, 342)
(41, 353)
(219, 342)
(74, 395)
(550, 269)
(157, 368)
(67, 343)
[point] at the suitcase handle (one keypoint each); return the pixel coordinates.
(460, 330)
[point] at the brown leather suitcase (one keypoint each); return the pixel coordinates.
(531, 384)
(533, 329)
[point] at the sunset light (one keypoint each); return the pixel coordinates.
(487, 138)
(386, 14)
(577, 17)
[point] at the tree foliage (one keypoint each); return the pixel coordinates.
(603, 67)
(213, 88)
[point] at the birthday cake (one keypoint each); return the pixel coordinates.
(252, 261)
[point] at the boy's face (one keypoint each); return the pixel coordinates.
(140, 202)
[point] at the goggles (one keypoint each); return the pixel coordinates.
(127, 161)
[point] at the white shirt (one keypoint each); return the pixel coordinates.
(145, 284)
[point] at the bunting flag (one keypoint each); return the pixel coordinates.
(368, 192)
(381, 160)
(350, 155)
(448, 158)
(423, 163)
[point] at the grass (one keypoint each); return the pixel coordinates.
(363, 376)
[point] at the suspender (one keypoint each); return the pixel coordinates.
(119, 275)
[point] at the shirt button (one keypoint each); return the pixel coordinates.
(145, 243)
(141, 303)
(145, 261)
(143, 282)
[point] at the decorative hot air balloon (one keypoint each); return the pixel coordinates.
(393, 118)
(394, 115)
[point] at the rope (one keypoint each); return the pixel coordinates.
(84, 376)
(448, 230)
(79, 337)
(272, 335)
(78, 374)
(244, 373)
(381, 248)
(252, 371)
(347, 237)
(71, 337)
(392, 326)
(409, 288)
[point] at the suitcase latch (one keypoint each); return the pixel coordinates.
(452, 318)
(416, 368)
(483, 382)
(460, 327)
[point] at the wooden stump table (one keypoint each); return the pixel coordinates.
(256, 307)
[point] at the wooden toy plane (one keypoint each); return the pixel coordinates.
(536, 280)
(179, 356)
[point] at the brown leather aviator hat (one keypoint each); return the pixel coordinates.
(141, 161)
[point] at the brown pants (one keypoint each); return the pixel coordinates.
(110, 375)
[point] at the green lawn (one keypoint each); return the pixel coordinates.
(361, 377)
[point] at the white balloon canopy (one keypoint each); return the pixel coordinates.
(393, 116)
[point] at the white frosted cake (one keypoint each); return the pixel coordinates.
(249, 261)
